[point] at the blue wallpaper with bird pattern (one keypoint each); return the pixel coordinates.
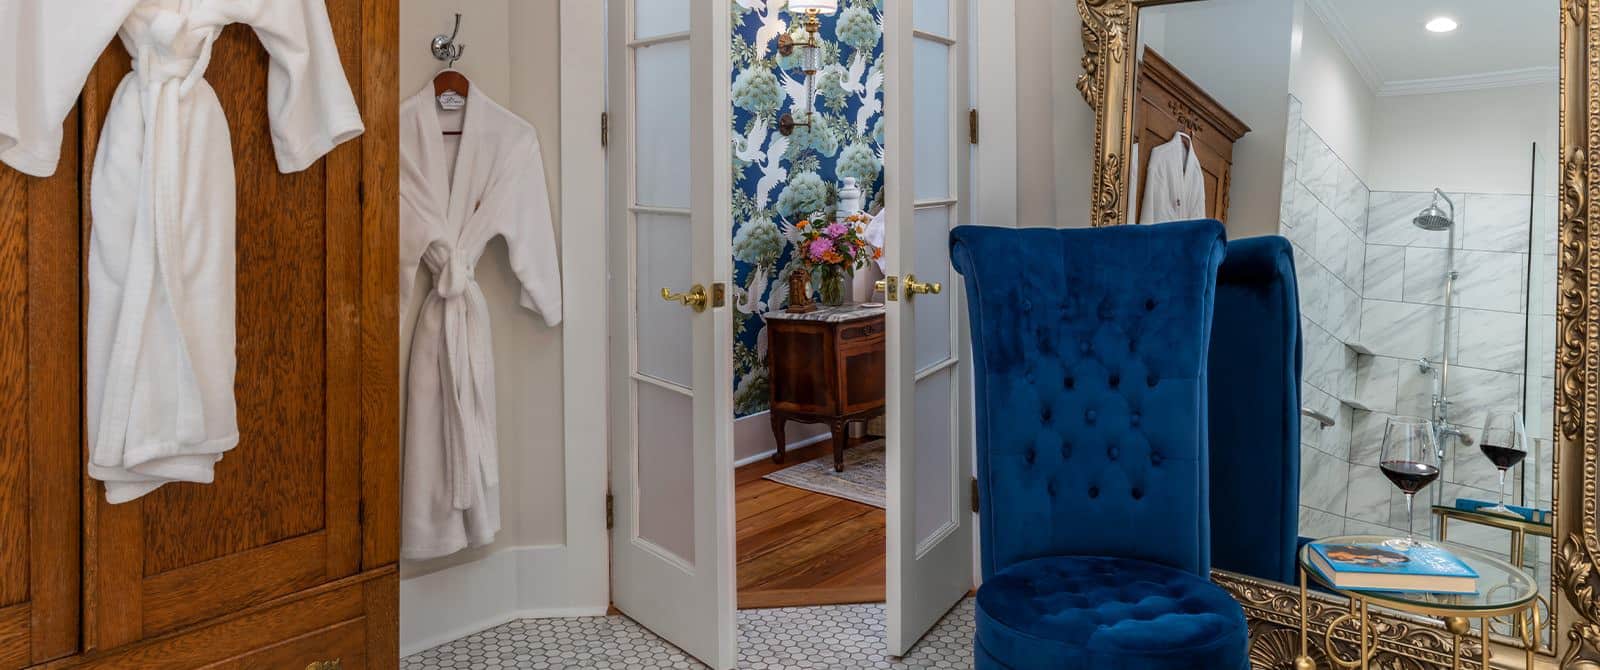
(780, 180)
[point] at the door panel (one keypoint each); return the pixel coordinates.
(671, 387)
(929, 450)
(314, 389)
(40, 341)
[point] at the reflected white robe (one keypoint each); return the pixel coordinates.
(453, 201)
(1175, 184)
(160, 329)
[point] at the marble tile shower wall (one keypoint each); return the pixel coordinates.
(1324, 216)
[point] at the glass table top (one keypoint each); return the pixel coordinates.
(1502, 587)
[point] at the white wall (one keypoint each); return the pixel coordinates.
(1338, 103)
(1423, 141)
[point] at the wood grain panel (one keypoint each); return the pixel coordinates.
(271, 486)
(238, 634)
(15, 221)
(380, 252)
(227, 584)
(383, 621)
(55, 409)
(343, 642)
(14, 635)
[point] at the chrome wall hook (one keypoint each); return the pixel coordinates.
(444, 47)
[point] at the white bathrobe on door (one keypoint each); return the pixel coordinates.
(456, 194)
(1175, 184)
(160, 329)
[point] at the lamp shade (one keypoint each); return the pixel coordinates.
(820, 6)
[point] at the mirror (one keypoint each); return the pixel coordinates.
(1409, 152)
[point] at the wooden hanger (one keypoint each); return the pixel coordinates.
(451, 80)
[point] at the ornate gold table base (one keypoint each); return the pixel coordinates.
(1460, 627)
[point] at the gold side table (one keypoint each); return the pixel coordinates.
(1503, 589)
(1520, 529)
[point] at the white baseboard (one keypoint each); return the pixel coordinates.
(754, 458)
(513, 584)
(752, 437)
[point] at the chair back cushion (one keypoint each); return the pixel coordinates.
(1255, 411)
(1089, 360)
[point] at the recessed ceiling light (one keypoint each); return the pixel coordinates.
(1443, 24)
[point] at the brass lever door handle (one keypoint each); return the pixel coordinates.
(914, 287)
(695, 299)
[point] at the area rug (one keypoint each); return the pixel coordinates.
(862, 480)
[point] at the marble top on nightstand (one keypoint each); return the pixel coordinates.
(841, 314)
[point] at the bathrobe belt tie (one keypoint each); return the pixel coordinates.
(466, 375)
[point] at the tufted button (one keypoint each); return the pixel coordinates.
(1066, 450)
(1083, 346)
(1094, 492)
(1115, 381)
(1149, 304)
(1050, 488)
(1030, 455)
(1027, 305)
(1070, 382)
(1134, 419)
(1138, 494)
(1089, 416)
(1156, 458)
(1113, 453)
(1044, 414)
(1151, 380)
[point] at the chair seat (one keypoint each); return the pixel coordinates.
(1070, 612)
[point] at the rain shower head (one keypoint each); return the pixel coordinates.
(1434, 218)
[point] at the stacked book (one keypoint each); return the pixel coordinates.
(1375, 567)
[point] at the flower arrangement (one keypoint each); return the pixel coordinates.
(833, 251)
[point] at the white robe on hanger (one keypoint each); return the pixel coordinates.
(1175, 184)
(160, 330)
(456, 194)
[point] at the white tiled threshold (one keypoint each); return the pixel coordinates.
(798, 638)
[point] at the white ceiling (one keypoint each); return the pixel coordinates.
(1499, 43)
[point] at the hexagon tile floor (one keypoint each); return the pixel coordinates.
(844, 637)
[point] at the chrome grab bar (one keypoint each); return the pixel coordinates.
(1323, 419)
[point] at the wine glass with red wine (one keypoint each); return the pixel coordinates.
(1408, 459)
(1505, 442)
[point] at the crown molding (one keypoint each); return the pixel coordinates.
(1323, 9)
(1471, 82)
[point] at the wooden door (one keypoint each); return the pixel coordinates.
(309, 495)
(40, 390)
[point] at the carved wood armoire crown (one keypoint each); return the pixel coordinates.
(288, 559)
(1168, 103)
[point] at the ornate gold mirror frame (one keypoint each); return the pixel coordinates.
(1107, 84)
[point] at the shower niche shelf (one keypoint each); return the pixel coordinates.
(1359, 348)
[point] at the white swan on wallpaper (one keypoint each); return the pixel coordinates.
(773, 172)
(871, 104)
(772, 25)
(800, 99)
(749, 301)
(754, 141)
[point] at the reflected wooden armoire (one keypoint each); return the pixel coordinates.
(1169, 102)
(289, 558)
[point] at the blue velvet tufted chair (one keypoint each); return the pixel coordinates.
(1255, 411)
(1089, 354)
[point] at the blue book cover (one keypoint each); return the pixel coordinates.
(1376, 567)
(1530, 514)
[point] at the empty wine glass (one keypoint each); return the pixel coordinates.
(1505, 442)
(1408, 460)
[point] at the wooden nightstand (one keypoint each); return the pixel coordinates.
(828, 367)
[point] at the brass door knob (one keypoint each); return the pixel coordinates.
(914, 287)
(695, 299)
(326, 665)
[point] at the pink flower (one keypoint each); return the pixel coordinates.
(836, 230)
(818, 249)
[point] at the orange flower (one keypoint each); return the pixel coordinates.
(877, 254)
(803, 223)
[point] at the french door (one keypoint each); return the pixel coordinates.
(671, 329)
(930, 543)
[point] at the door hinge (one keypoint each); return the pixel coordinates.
(972, 126)
(605, 129)
(975, 505)
(611, 511)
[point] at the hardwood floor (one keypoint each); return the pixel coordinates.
(797, 547)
